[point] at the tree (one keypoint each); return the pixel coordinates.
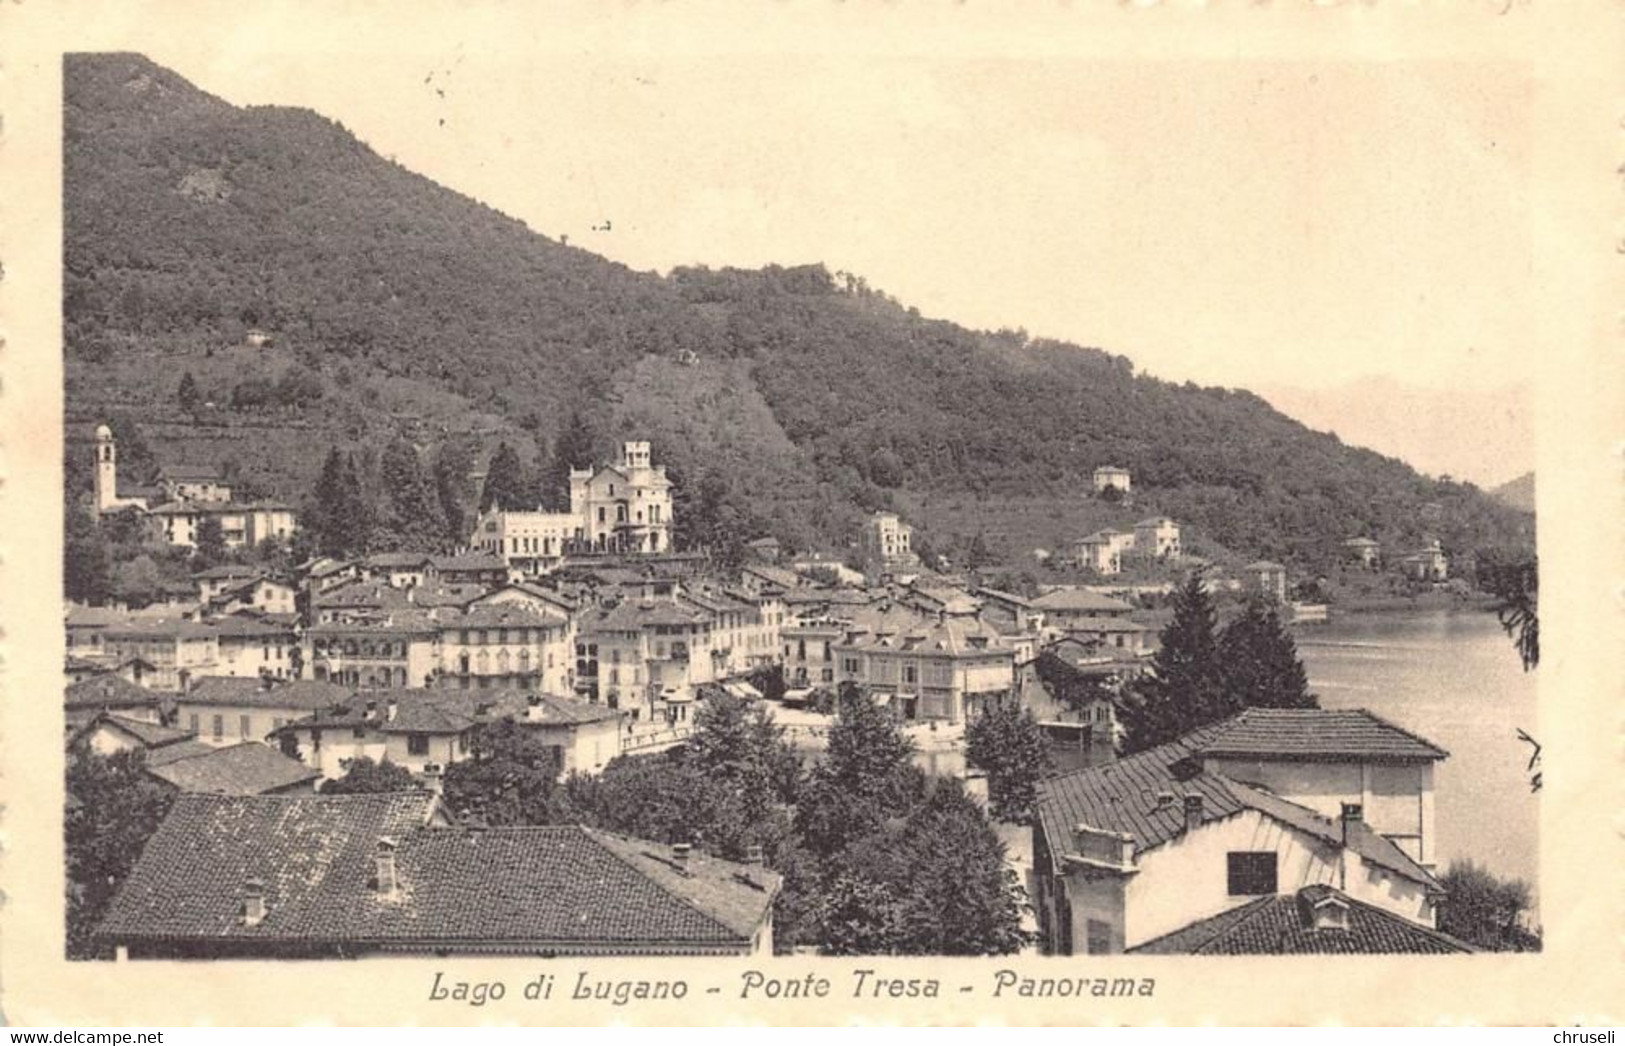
(138, 581)
(119, 807)
(188, 395)
(867, 775)
(1515, 583)
(1259, 663)
(1184, 689)
(935, 883)
(340, 515)
(575, 448)
(363, 776)
(413, 518)
(737, 743)
(210, 543)
(505, 484)
(510, 777)
(1484, 910)
(452, 466)
(86, 566)
(1005, 742)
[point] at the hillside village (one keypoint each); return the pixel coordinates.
(436, 587)
(252, 690)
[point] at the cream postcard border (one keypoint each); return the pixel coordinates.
(1571, 51)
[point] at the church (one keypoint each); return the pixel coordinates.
(174, 509)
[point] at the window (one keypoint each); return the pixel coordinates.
(1251, 874)
(242, 726)
(191, 722)
(910, 674)
(417, 744)
(1100, 937)
(219, 725)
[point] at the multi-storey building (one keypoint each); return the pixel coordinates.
(887, 539)
(619, 507)
(175, 510)
(507, 646)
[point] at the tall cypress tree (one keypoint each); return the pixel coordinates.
(326, 504)
(1259, 662)
(413, 518)
(452, 466)
(505, 484)
(1185, 688)
(575, 448)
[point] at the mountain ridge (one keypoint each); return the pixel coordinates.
(421, 311)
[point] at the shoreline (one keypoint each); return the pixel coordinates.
(1372, 606)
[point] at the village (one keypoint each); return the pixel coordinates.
(252, 696)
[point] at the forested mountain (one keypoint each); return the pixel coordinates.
(398, 307)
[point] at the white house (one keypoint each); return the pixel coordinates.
(1265, 804)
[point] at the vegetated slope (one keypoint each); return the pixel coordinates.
(397, 304)
(1518, 493)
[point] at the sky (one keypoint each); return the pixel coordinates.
(1305, 226)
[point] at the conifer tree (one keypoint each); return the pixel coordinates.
(505, 484)
(1185, 688)
(1259, 662)
(452, 466)
(413, 517)
(188, 394)
(575, 448)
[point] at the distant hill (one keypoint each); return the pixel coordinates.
(1518, 493)
(396, 305)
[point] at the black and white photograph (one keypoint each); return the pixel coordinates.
(595, 493)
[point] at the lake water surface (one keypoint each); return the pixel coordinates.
(1455, 679)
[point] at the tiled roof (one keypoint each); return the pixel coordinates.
(1105, 624)
(228, 572)
(564, 887)
(633, 615)
(183, 473)
(249, 768)
(257, 693)
(237, 627)
(162, 628)
(1080, 599)
(151, 735)
(111, 691)
(80, 616)
(1123, 796)
(179, 750)
(499, 615)
(1282, 925)
(453, 711)
(470, 561)
(397, 560)
(1317, 734)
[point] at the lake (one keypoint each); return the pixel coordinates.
(1455, 679)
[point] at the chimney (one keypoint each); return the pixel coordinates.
(1321, 909)
(384, 867)
(1165, 800)
(253, 902)
(753, 854)
(1353, 813)
(680, 852)
(1193, 812)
